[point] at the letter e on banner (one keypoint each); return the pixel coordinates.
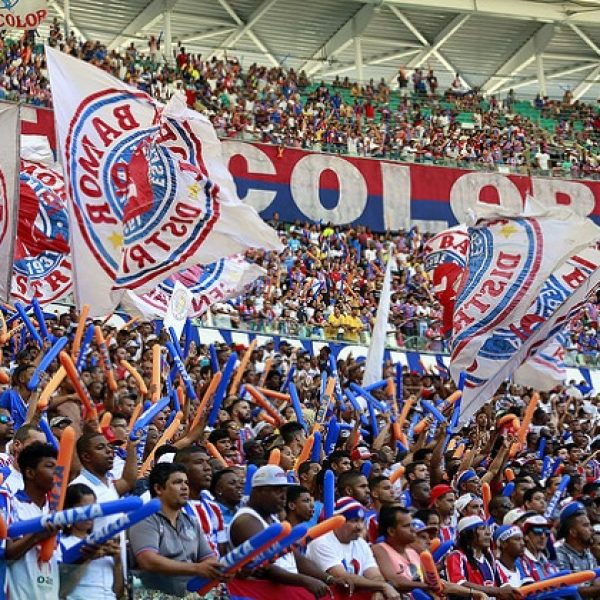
(305, 187)
(466, 195)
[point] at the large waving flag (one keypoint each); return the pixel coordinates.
(181, 207)
(101, 122)
(149, 193)
(9, 192)
(42, 265)
(217, 282)
(524, 277)
(445, 257)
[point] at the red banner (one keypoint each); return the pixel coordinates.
(380, 194)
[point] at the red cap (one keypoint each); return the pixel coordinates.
(360, 453)
(438, 491)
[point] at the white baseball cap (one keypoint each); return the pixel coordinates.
(270, 475)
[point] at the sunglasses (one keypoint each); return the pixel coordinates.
(540, 531)
(6, 420)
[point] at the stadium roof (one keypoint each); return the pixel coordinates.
(494, 44)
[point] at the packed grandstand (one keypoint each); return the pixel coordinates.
(140, 458)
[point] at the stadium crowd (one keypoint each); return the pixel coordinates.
(416, 122)
(510, 498)
(225, 442)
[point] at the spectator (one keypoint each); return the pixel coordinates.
(169, 547)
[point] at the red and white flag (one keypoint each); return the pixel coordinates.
(42, 262)
(149, 192)
(217, 282)
(9, 192)
(525, 276)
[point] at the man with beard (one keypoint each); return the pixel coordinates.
(241, 415)
(171, 533)
(267, 501)
(574, 554)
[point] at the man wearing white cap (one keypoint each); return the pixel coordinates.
(536, 531)
(266, 503)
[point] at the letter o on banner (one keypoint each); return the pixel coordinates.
(466, 202)
(257, 162)
(305, 181)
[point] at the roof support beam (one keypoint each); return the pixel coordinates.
(441, 38)
(245, 28)
(368, 39)
(521, 58)
(516, 9)
(203, 35)
(341, 39)
(585, 38)
(588, 81)
(434, 48)
(149, 15)
(379, 60)
(551, 75)
(72, 25)
(570, 57)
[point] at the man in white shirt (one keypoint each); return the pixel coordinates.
(27, 577)
(344, 553)
(25, 436)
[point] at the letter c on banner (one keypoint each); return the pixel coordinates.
(577, 196)
(257, 162)
(466, 191)
(305, 183)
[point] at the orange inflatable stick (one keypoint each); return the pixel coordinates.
(324, 527)
(105, 359)
(486, 493)
(555, 582)
(156, 372)
(56, 497)
(274, 394)
(139, 380)
(212, 450)
(168, 434)
(261, 401)
(509, 474)
(275, 456)
(210, 390)
(430, 573)
(408, 404)
(435, 544)
(105, 421)
(265, 373)
(397, 474)
(50, 388)
(239, 374)
(305, 452)
(85, 311)
(67, 362)
(533, 402)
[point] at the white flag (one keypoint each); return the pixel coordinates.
(374, 364)
(546, 369)
(149, 191)
(217, 282)
(524, 276)
(9, 192)
(100, 123)
(178, 309)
